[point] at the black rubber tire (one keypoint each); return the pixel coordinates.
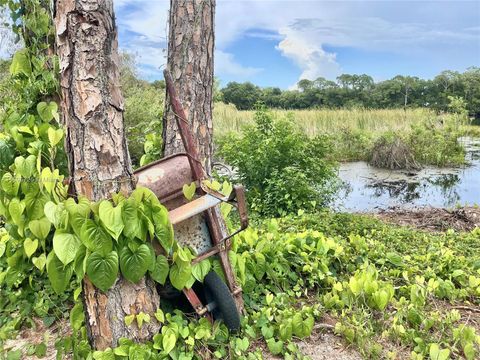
(217, 291)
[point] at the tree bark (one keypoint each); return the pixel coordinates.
(99, 163)
(190, 61)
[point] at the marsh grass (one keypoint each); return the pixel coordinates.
(326, 121)
(355, 134)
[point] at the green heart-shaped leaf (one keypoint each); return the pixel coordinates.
(21, 63)
(95, 238)
(82, 207)
(381, 298)
(180, 275)
(25, 167)
(39, 262)
(49, 179)
(165, 236)
(189, 190)
(30, 246)
(16, 208)
(66, 246)
(35, 204)
(40, 228)
(160, 271)
(7, 153)
(102, 269)
(134, 264)
(47, 111)
(111, 218)
(56, 214)
(169, 340)
(76, 222)
(130, 218)
(10, 184)
(201, 269)
(437, 354)
(58, 274)
(77, 316)
(54, 136)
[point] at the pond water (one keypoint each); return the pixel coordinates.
(371, 189)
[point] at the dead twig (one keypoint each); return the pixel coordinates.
(467, 308)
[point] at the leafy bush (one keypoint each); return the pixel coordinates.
(282, 169)
(435, 142)
(143, 113)
(351, 144)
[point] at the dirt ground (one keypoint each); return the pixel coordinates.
(433, 219)
(31, 337)
(323, 344)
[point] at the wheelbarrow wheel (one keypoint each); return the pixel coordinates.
(220, 301)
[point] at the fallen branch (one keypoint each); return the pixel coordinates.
(467, 308)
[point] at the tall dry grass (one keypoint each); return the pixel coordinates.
(326, 121)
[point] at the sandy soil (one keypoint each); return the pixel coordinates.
(30, 337)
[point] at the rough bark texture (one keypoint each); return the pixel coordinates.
(190, 61)
(92, 111)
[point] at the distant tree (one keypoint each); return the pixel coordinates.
(243, 96)
(305, 85)
(407, 84)
(324, 84)
(471, 82)
(352, 90)
(159, 84)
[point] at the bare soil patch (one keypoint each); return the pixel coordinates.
(323, 344)
(28, 338)
(433, 219)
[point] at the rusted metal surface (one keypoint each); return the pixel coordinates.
(194, 301)
(166, 177)
(184, 127)
(241, 205)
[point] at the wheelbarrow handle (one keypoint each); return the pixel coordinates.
(239, 192)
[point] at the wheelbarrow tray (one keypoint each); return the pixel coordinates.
(166, 178)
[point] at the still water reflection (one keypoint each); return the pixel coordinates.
(369, 189)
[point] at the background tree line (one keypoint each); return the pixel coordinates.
(362, 91)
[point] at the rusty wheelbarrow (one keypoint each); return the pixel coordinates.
(198, 223)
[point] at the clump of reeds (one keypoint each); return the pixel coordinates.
(391, 152)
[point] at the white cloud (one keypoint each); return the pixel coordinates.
(304, 29)
(225, 64)
(310, 58)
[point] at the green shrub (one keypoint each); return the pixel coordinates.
(351, 144)
(435, 142)
(143, 112)
(283, 169)
(143, 115)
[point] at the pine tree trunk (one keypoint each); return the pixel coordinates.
(99, 163)
(190, 61)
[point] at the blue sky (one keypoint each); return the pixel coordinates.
(276, 43)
